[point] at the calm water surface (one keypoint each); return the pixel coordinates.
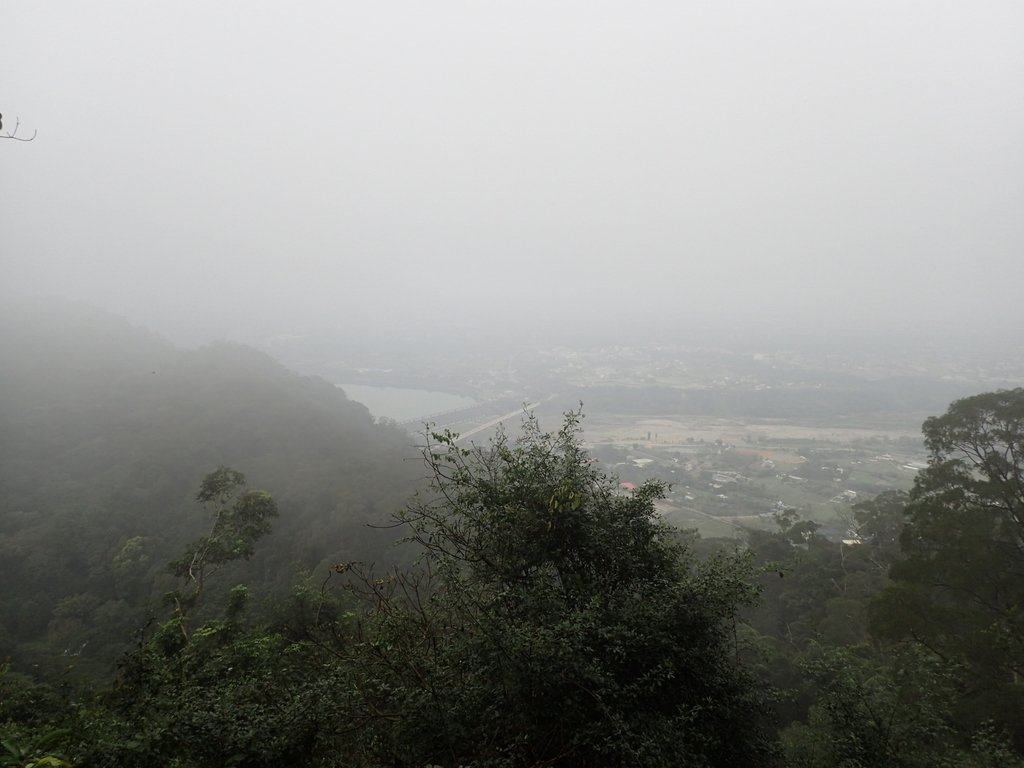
(401, 404)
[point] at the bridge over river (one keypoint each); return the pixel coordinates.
(484, 416)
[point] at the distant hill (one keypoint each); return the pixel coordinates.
(106, 431)
(912, 397)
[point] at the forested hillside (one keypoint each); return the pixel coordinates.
(105, 432)
(200, 517)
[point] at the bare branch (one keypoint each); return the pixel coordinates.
(14, 134)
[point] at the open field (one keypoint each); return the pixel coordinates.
(668, 432)
(726, 474)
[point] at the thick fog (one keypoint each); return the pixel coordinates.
(247, 169)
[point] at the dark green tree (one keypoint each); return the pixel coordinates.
(240, 519)
(555, 621)
(887, 711)
(959, 591)
(880, 524)
(219, 694)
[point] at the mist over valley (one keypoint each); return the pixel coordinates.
(512, 385)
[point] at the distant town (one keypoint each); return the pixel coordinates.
(738, 433)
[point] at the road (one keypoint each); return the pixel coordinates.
(495, 422)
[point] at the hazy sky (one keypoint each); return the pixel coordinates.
(238, 169)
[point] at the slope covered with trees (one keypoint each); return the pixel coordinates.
(105, 430)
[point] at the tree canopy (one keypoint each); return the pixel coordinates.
(554, 621)
(240, 518)
(959, 589)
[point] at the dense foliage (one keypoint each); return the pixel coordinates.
(959, 590)
(551, 621)
(904, 650)
(554, 622)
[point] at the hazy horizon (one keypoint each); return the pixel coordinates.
(244, 170)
